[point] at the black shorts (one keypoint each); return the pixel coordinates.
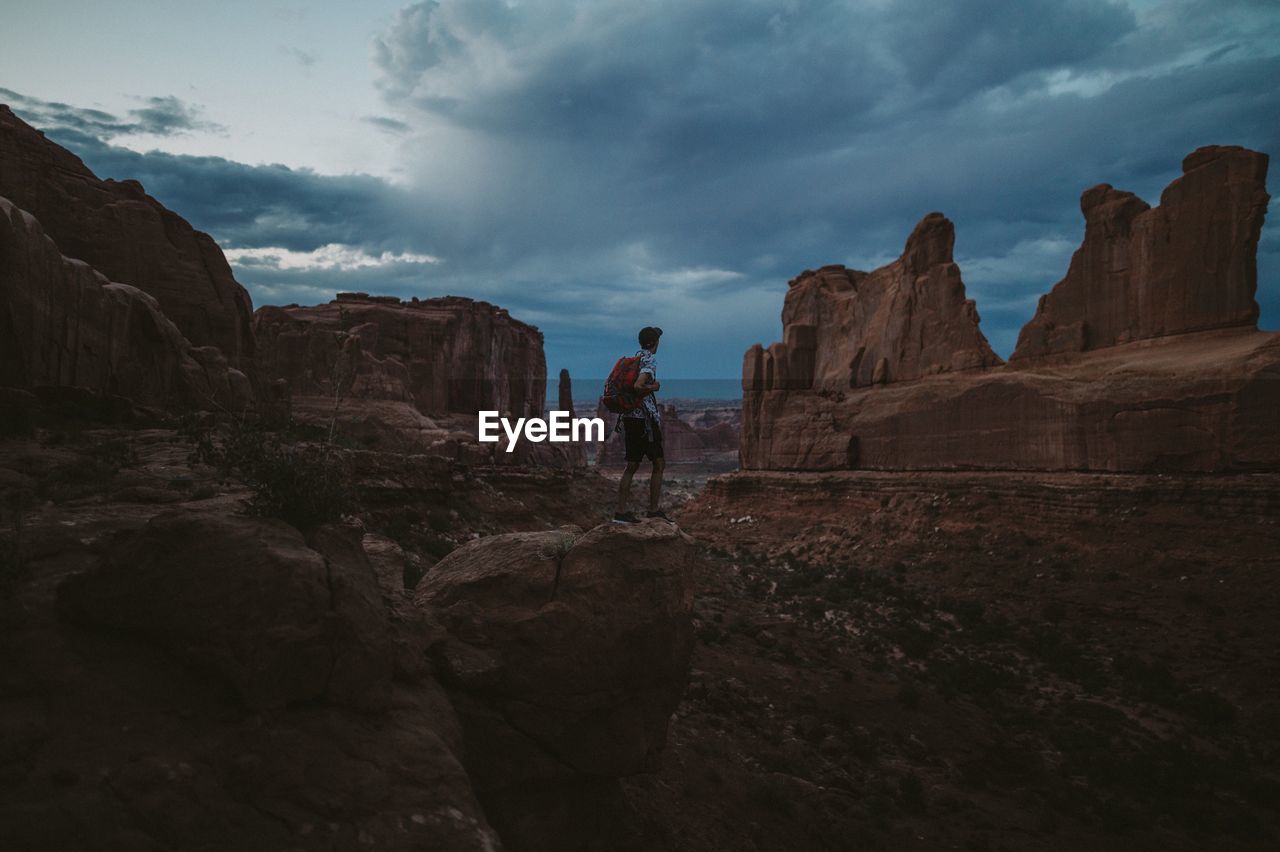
(638, 445)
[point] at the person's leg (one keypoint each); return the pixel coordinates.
(655, 483)
(624, 486)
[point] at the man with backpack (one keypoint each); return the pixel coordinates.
(630, 392)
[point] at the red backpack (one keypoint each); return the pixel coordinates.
(620, 394)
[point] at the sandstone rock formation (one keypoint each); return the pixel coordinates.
(845, 329)
(1196, 403)
(565, 393)
(63, 324)
(575, 454)
(411, 375)
(446, 355)
(568, 654)
(1186, 265)
(1158, 364)
(129, 237)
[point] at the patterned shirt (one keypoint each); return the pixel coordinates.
(649, 405)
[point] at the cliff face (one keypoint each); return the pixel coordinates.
(1187, 265)
(1181, 379)
(846, 329)
(442, 356)
(410, 376)
(62, 323)
(129, 237)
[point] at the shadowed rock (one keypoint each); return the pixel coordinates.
(283, 623)
(63, 324)
(129, 237)
(568, 655)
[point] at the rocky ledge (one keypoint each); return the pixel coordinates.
(212, 681)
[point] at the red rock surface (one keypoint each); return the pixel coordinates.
(411, 375)
(844, 329)
(1187, 265)
(570, 652)
(194, 678)
(1168, 399)
(1191, 403)
(442, 356)
(63, 324)
(129, 237)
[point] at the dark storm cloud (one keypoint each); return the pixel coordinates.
(246, 206)
(158, 116)
(765, 138)
(595, 166)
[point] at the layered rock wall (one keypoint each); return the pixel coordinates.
(1142, 272)
(442, 356)
(846, 329)
(129, 237)
(1145, 357)
(64, 324)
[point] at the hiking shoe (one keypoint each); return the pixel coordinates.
(658, 513)
(625, 518)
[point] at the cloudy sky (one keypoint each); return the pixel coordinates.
(599, 165)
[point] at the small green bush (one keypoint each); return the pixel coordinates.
(302, 484)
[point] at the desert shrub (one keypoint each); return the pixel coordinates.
(302, 484)
(770, 794)
(911, 793)
(80, 477)
(438, 519)
(1208, 707)
(559, 547)
(437, 547)
(13, 563)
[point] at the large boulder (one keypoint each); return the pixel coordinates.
(63, 324)
(128, 236)
(219, 683)
(282, 622)
(567, 655)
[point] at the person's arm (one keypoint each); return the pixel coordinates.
(647, 383)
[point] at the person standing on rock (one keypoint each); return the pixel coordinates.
(642, 431)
